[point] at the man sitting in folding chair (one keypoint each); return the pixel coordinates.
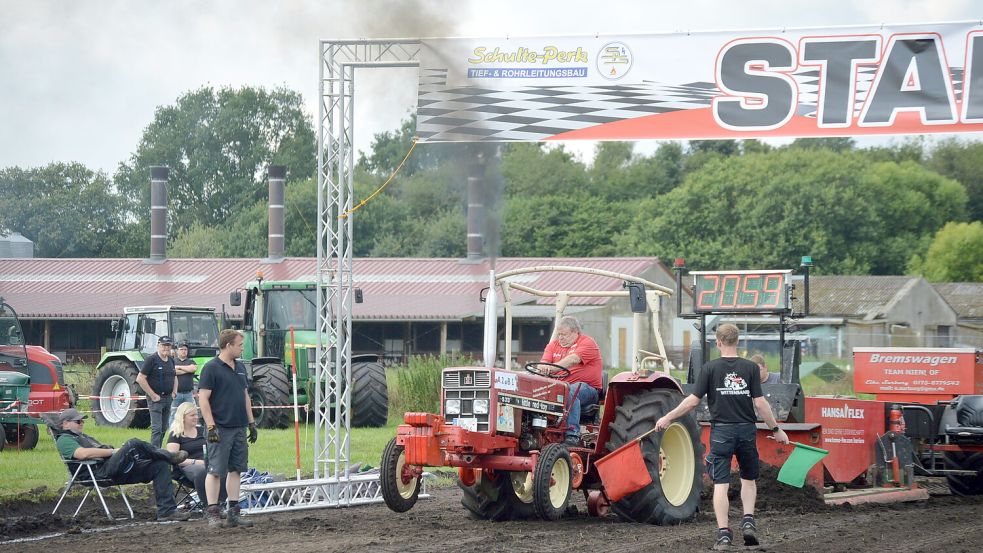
(135, 462)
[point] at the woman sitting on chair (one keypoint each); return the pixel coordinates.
(187, 435)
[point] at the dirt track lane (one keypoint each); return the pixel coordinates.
(789, 520)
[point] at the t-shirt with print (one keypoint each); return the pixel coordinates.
(588, 370)
(729, 384)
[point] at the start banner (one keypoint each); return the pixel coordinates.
(838, 81)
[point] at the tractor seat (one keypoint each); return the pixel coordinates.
(589, 415)
(969, 416)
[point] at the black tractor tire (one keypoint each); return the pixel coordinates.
(370, 395)
(673, 497)
(22, 437)
(551, 482)
(115, 376)
(496, 499)
(399, 495)
(960, 484)
(271, 386)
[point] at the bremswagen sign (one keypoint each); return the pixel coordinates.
(838, 81)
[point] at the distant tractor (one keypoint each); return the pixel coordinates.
(31, 383)
(115, 388)
(504, 430)
(271, 309)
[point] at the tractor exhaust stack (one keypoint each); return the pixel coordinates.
(275, 243)
(158, 214)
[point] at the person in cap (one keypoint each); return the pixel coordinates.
(135, 462)
(158, 378)
(185, 368)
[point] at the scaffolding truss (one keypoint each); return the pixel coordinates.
(333, 484)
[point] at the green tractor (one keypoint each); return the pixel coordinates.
(136, 338)
(271, 309)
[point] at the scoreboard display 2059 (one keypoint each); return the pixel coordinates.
(742, 291)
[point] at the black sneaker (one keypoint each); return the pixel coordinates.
(749, 529)
(725, 540)
(572, 441)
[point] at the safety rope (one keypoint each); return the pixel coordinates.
(381, 188)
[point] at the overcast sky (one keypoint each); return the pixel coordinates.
(81, 78)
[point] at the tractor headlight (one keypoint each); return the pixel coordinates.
(480, 406)
(452, 407)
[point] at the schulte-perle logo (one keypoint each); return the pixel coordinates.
(734, 385)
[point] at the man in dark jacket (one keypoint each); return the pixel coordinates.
(135, 462)
(158, 378)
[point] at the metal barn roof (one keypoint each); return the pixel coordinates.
(394, 288)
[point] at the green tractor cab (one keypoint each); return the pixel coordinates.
(115, 389)
(271, 310)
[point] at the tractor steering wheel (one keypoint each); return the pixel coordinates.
(549, 370)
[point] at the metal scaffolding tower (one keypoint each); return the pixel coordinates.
(333, 485)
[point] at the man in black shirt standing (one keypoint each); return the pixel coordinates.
(224, 396)
(732, 386)
(158, 379)
(185, 367)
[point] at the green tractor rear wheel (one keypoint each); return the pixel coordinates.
(271, 387)
(115, 386)
(370, 395)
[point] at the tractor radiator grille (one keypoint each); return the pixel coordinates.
(467, 379)
(467, 398)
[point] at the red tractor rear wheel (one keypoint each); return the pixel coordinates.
(673, 458)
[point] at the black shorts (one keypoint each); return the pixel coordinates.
(728, 440)
(230, 454)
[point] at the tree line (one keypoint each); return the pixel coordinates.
(904, 208)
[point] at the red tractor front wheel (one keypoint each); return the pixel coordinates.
(399, 482)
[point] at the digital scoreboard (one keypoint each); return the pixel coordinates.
(742, 291)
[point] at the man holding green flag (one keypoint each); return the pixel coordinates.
(732, 386)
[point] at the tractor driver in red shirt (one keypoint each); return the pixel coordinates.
(578, 353)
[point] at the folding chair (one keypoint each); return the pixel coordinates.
(185, 493)
(84, 476)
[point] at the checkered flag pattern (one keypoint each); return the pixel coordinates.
(532, 113)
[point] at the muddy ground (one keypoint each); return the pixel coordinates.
(789, 520)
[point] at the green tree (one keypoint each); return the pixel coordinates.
(67, 209)
(574, 225)
(834, 143)
(955, 254)
(218, 144)
(766, 210)
(962, 161)
(531, 169)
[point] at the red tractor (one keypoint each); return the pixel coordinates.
(504, 430)
(31, 383)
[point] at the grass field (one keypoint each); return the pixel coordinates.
(26, 472)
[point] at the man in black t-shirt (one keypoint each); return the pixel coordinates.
(158, 379)
(225, 406)
(185, 368)
(732, 386)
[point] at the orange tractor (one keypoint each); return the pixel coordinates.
(504, 430)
